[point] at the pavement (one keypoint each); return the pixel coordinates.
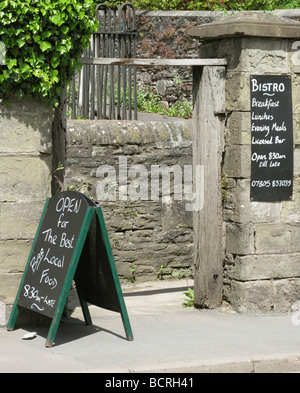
(168, 338)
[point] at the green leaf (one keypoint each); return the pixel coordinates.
(11, 63)
(24, 68)
(57, 20)
(45, 45)
(55, 62)
(21, 42)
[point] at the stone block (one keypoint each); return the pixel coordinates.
(253, 55)
(290, 211)
(174, 215)
(3, 314)
(297, 128)
(19, 220)
(263, 267)
(25, 178)
(253, 297)
(243, 210)
(296, 93)
(297, 161)
(286, 293)
(257, 58)
(28, 106)
(237, 161)
(277, 238)
(237, 92)
(239, 239)
(11, 283)
(14, 255)
(25, 133)
(294, 56)
(239, 128)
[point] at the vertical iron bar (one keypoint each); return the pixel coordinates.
(129, 55)
(73, 111)
(92, 81)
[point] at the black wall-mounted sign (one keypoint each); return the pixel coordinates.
(71, 243)
(272, 157)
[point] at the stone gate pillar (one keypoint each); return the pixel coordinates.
(26, 173)
(261, 239)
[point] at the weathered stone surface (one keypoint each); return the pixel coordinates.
(20, 220)
(265, 296)
(277, 238)
(24, 134)
(296, 92)
(290, 211)
(257, 57)
(11, 284)
(237, 91)
(297, 161)
(255, 24)
(145, 234)
(27, 106)
(263, 267)
(286, 294)
(239, 208)
(25, 183)
(237, 162)
(240, 238)
(14, 255)
(297, 126)
(254, 297)
(25, 178)
(238, 130)
(262, 251)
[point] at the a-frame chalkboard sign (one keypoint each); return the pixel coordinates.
(71, 243)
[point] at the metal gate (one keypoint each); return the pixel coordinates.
(107, 91)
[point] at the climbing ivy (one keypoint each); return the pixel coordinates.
(43, 41)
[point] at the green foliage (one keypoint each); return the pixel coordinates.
(189, 300)
(212, 5)
(147, 101)
(288, 4)
(43, 41)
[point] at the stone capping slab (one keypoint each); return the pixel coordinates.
(253, 23)
(287, 13)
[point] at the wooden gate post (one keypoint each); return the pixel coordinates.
(208, 147)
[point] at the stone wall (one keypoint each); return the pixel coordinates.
(150, 238)
(164, 34)
(25, 183)
(261, 269)
(263, 249)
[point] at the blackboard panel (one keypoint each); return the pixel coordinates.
(271, 138)
(50, 258)
(71, 242)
